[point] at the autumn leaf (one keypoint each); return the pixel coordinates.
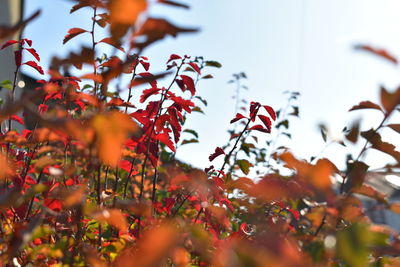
(8, 31)
(394, 127)
(112, 130)
(73, 33)
(270, 111)
(111, 42)
(237, 118)
(218, 151)
(113, 217)
(155, 29)
(34, 65)
(173, 57)
(244, 165)
(173, 3)
(126, 11)
(379, 52)
(8, 43)
(195, 67)
(6, 168)
(267, 122)
(33, 52)
(366, 105)
(149, 251)
(390, 100)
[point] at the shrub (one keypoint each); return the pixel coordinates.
(95, 180)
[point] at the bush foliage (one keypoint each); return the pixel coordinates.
(94, 180)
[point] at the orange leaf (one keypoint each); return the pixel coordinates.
(152, 248)
(113, 217)
(126, 11)
(72, 33)
(379, 52)
(112, 130)
(6, 169)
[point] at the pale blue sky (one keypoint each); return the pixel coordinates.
(299, 45)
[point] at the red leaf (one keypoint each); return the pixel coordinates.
(270, 111)
(28, 41)
(173, 3)
(379, 52)
(164, 138)
(238, 117)
(218, 151)
(18, 57)
(173, 57)
(43, 108)
(169, 204)
(125, 165)
(253, 110)
(34, 53)
(145, 65)
(195, 67)
(189, 83)
(34, 65)
(8, 43)
(147, 93)
(53, 204)
(266, 121)
(295, 213)
(183, 103)
(112, 43)
(260, 128)
(17, 119)
(72, 33)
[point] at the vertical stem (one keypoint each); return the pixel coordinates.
(93, 48)
(99, 202)
(163, 97)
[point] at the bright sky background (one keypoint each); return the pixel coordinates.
(303, 45)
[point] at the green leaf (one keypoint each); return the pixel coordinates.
(7, 84)
(323, 131)
(215, 64)
(208, 76)
(284, 123)
(354, 243)
(193, 132)
(197, 109)
(244, 165)
(184, 142)
(202, 100)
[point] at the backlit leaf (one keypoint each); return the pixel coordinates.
(113, 217)
(213, 64)
(112, 130)
(390, 100)
(173, 3)
(34, 65)
(126, 11)
(379, 52)
(218, 151)
(394, 127)
(366, 105)
(73, 33)
(244, 165)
